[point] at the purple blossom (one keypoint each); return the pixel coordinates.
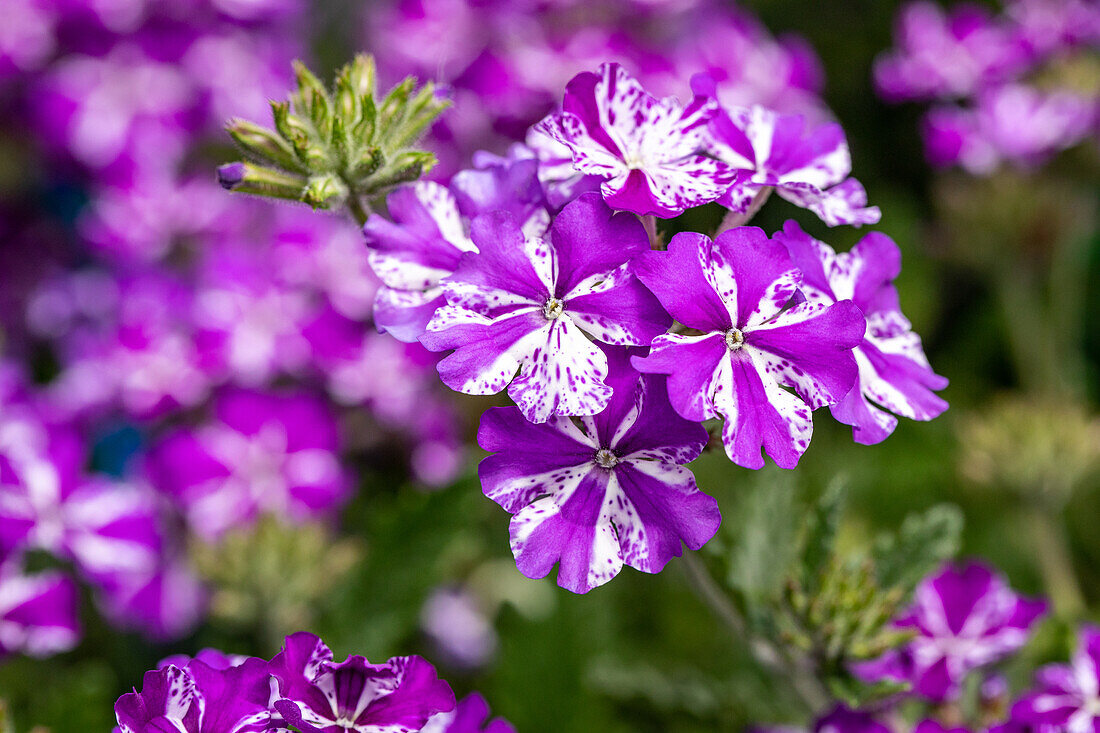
(471, 715)
(1067, 697)
(199, 698)
(412, 254)
(964, 617)
(458, 628)
(560, 180)
(1050, 26)
(316, 694)
(1012, 123)
(944, 56)
(648, 150)
(893, 370)
(609, 491)
(745, 347)
(842, 719)
(264, 453)
(38, 613)
(528, 304)
(27, 39)
(769, 150)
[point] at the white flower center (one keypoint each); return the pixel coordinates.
(606, 459)
(553, 308)
(735, 339)
(633, 160)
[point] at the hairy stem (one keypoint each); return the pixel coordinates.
(797, 672)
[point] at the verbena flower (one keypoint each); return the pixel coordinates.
(412, 253)
(314, 693)
(606, 491)
(747, 347)
(471, 715)
(647, 150)
(1067, 697)
(38, 613)
(769, 150)
(520, 312)
(964, 617)
(264, 453)
(198, 698)
(893, 370)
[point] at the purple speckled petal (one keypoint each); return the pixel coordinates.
(236, 698)
(755, 275)
(678, 278)
(591, 239)
(167, 703)
(844, 203)
(405, 314)
(691, 363)
(618, 310)
(469, 716)
(487, 353)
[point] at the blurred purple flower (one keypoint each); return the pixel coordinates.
(745, 347)
(471, 715)
(845, 720)
(1067, 697)
(38, 613)
(893, 370)
(458, 628)
(27, 36)
(265, 453)
(396, 696)
(519, 312)
(965, 617)
(647, 150)
(610, 491)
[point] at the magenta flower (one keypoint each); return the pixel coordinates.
(1067, 697)
(647, 150)
(965, 617)
(845, 720)
(609, 491)
(199, 698)
(893, 370)
(38, 613)
(318, 695)
(163, 604)
(773, 151)
(745, 347)
(943, 56)
(529, 304)
(264, 453)
(471, 715)
(412, 254)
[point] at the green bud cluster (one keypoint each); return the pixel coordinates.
(336, 148)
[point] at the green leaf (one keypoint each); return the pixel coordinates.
(765, 537)
(922, 543)
(819, 533)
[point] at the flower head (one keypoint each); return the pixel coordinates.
(519, 313)
(1067, 697)
(315, 693)
(733, 293)
(471, 715)
(647, 150)
(38, 613)
(769, 150)
(893, 370)
(604, 492)
(964, 617)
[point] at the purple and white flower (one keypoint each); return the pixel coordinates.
(471, 715)
(1068, 696)
(198, 698)
(520, 312)
(649, 151)
(604, 492)
(265, 453)
(747, 345)
(893, 370)
(772, 151)
(317, 694)
(38, 613)
(965, 617)
(412, 254)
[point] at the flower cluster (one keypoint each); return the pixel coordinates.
(965, 619)
(542, 275)
(302, 686)
(1003, 85)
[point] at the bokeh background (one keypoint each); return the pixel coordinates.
(1001, 277)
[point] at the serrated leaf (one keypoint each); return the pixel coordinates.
(764, 539)
(921, 544)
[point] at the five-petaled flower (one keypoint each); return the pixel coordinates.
(769, 151)
(893, 370)
(748, 345)
(647, 150)
(529, 304)
(965, 617)
(604, 492)
(320, 695)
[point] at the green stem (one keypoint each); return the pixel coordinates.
(358, 210)
(1055, 562)
(798, 674)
